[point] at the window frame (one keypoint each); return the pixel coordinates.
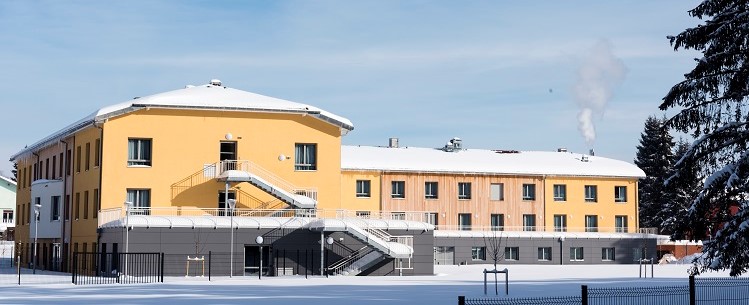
(544, 254)
(140, 159)
(500, 224)
(305, 157)
(591, 226)
(620, 193)
(563, 223)
(591, 193)
(462, 225)
(464, 191)
(574, 254)
(478, 253)
(500, 191)
(431, 190)
(398, 189)
(526, 227)
(529, 192)
(55, 202)
(608, 256)
(560, 192)
(509, 251)
(363, 188)
(138, 195)
(625, 226)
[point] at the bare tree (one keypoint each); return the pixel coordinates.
(494, 243)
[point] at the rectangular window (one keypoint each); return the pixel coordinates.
(478, 253)
(529, 192)
(68, 163)
(497, 191)
(607, 254)
(85, 205)
(363, 188)
(591, 193)
(576, 254)
(54, 167)
(512, 253)
(62, 164)
(620, 223)
(620, 194)
(431, 218)
(529, 222)
(398, 189)
(96, 203)
(591, 223)
(141, 200)
(544, 253)
(560, 223)
(55, 208)
(8, 216)
(97, 152)
(67, 207)
(430, 190)
(464, 221)
(46, 169)
(398, 215)
(498, 222)
(139, 152)
(78, 159)
(88, 156)
(306, 157)
(77, 206)
(638, 254)
(560, 192)
(223, 209)
(464, 190)
(363, 214)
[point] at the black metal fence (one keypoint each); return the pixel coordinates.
(117, 268)
(703, 291)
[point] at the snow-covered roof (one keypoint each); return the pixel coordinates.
(538, 234)
(8, 180)
(481, 161)
(212, 97)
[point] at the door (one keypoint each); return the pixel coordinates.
(222, 207)
(252, 259)
(228, 155)
(444, 255)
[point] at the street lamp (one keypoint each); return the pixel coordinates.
(36, 231)
(232, 203)
(259, 241)
(128, 205)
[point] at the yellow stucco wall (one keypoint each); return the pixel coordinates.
(184, 140)
(85, 182)
(575, 207)
(349, 201)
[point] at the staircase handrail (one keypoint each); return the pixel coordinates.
(262, 173)
(349, 259)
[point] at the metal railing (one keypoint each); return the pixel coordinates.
(262, 173)
(347, 261)
(537, 229)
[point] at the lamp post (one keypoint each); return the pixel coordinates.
(128, 205)
(561, 247)
(231, 203)
(259, 241)
(36, 231)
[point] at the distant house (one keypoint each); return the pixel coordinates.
(7, 205)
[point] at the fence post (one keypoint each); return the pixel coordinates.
(209, 266)
(692, 291)
(18, 266)
(75, 267)
(461, 300)
(584, 295)
(162, 266)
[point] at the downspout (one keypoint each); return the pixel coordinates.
(99, 155)
(543, 186)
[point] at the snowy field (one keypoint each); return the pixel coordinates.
(442, 288)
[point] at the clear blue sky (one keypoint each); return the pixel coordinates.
(499, 74)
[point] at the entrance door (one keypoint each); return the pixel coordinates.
(222, 208)
(228, 155)
(252, 259)
(444, 255)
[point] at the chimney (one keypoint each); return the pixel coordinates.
(562, 149)
(592, 153)
(393, 142)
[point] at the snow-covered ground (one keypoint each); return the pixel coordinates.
(441, 288)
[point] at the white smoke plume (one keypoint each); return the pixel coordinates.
(599, 74)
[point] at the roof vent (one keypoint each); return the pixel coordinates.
(592, 152)
(562, 149)
(216, 82)
(455, 144)
(393, 142)
(584, 158)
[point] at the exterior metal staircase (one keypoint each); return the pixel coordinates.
(356, 262)
(247, 171)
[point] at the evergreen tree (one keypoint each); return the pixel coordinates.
(654, 157)
(15, 172)
(712, 102)
(682, 186)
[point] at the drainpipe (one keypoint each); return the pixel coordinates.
(99, 125)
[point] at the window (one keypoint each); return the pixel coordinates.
(362, 214)
(591, 223)
(306, 157)
(398, 215)
(464, 222)
(430, 190)
(77, 209)
(544, 253)
(67, 207)
(139, 152)
(512, 253)
(46, 169)
(78, 159)
(55, 212)
(620, 194)
(620, 223)
(61, 164)
(398, 189)
(431, 218)
(140, 199)
(607, 254)
(560, 223)
(591, 193)
(576, 254)
(498, 222)
(529, 222)
(223, 209)
(96, 203)
(560, 192)
(529, 192)
(8, 216)
(363, 188)
(638, 254)
(88, 156)
(97, 152)
(497, 191)
(464, 190)
(478, 253)
(54, 167)
(85, 205)
(68, 162)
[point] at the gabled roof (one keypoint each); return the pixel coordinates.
(8, 180)
(481, 161)
(209, 97)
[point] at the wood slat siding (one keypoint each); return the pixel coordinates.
(480, 206)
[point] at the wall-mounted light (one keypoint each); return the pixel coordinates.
(229, 136)
(282, 157)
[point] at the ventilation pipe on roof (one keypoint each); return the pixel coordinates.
(592, 152)
(393, 142)
(562, 149)
(455, 144)
(215, 82)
